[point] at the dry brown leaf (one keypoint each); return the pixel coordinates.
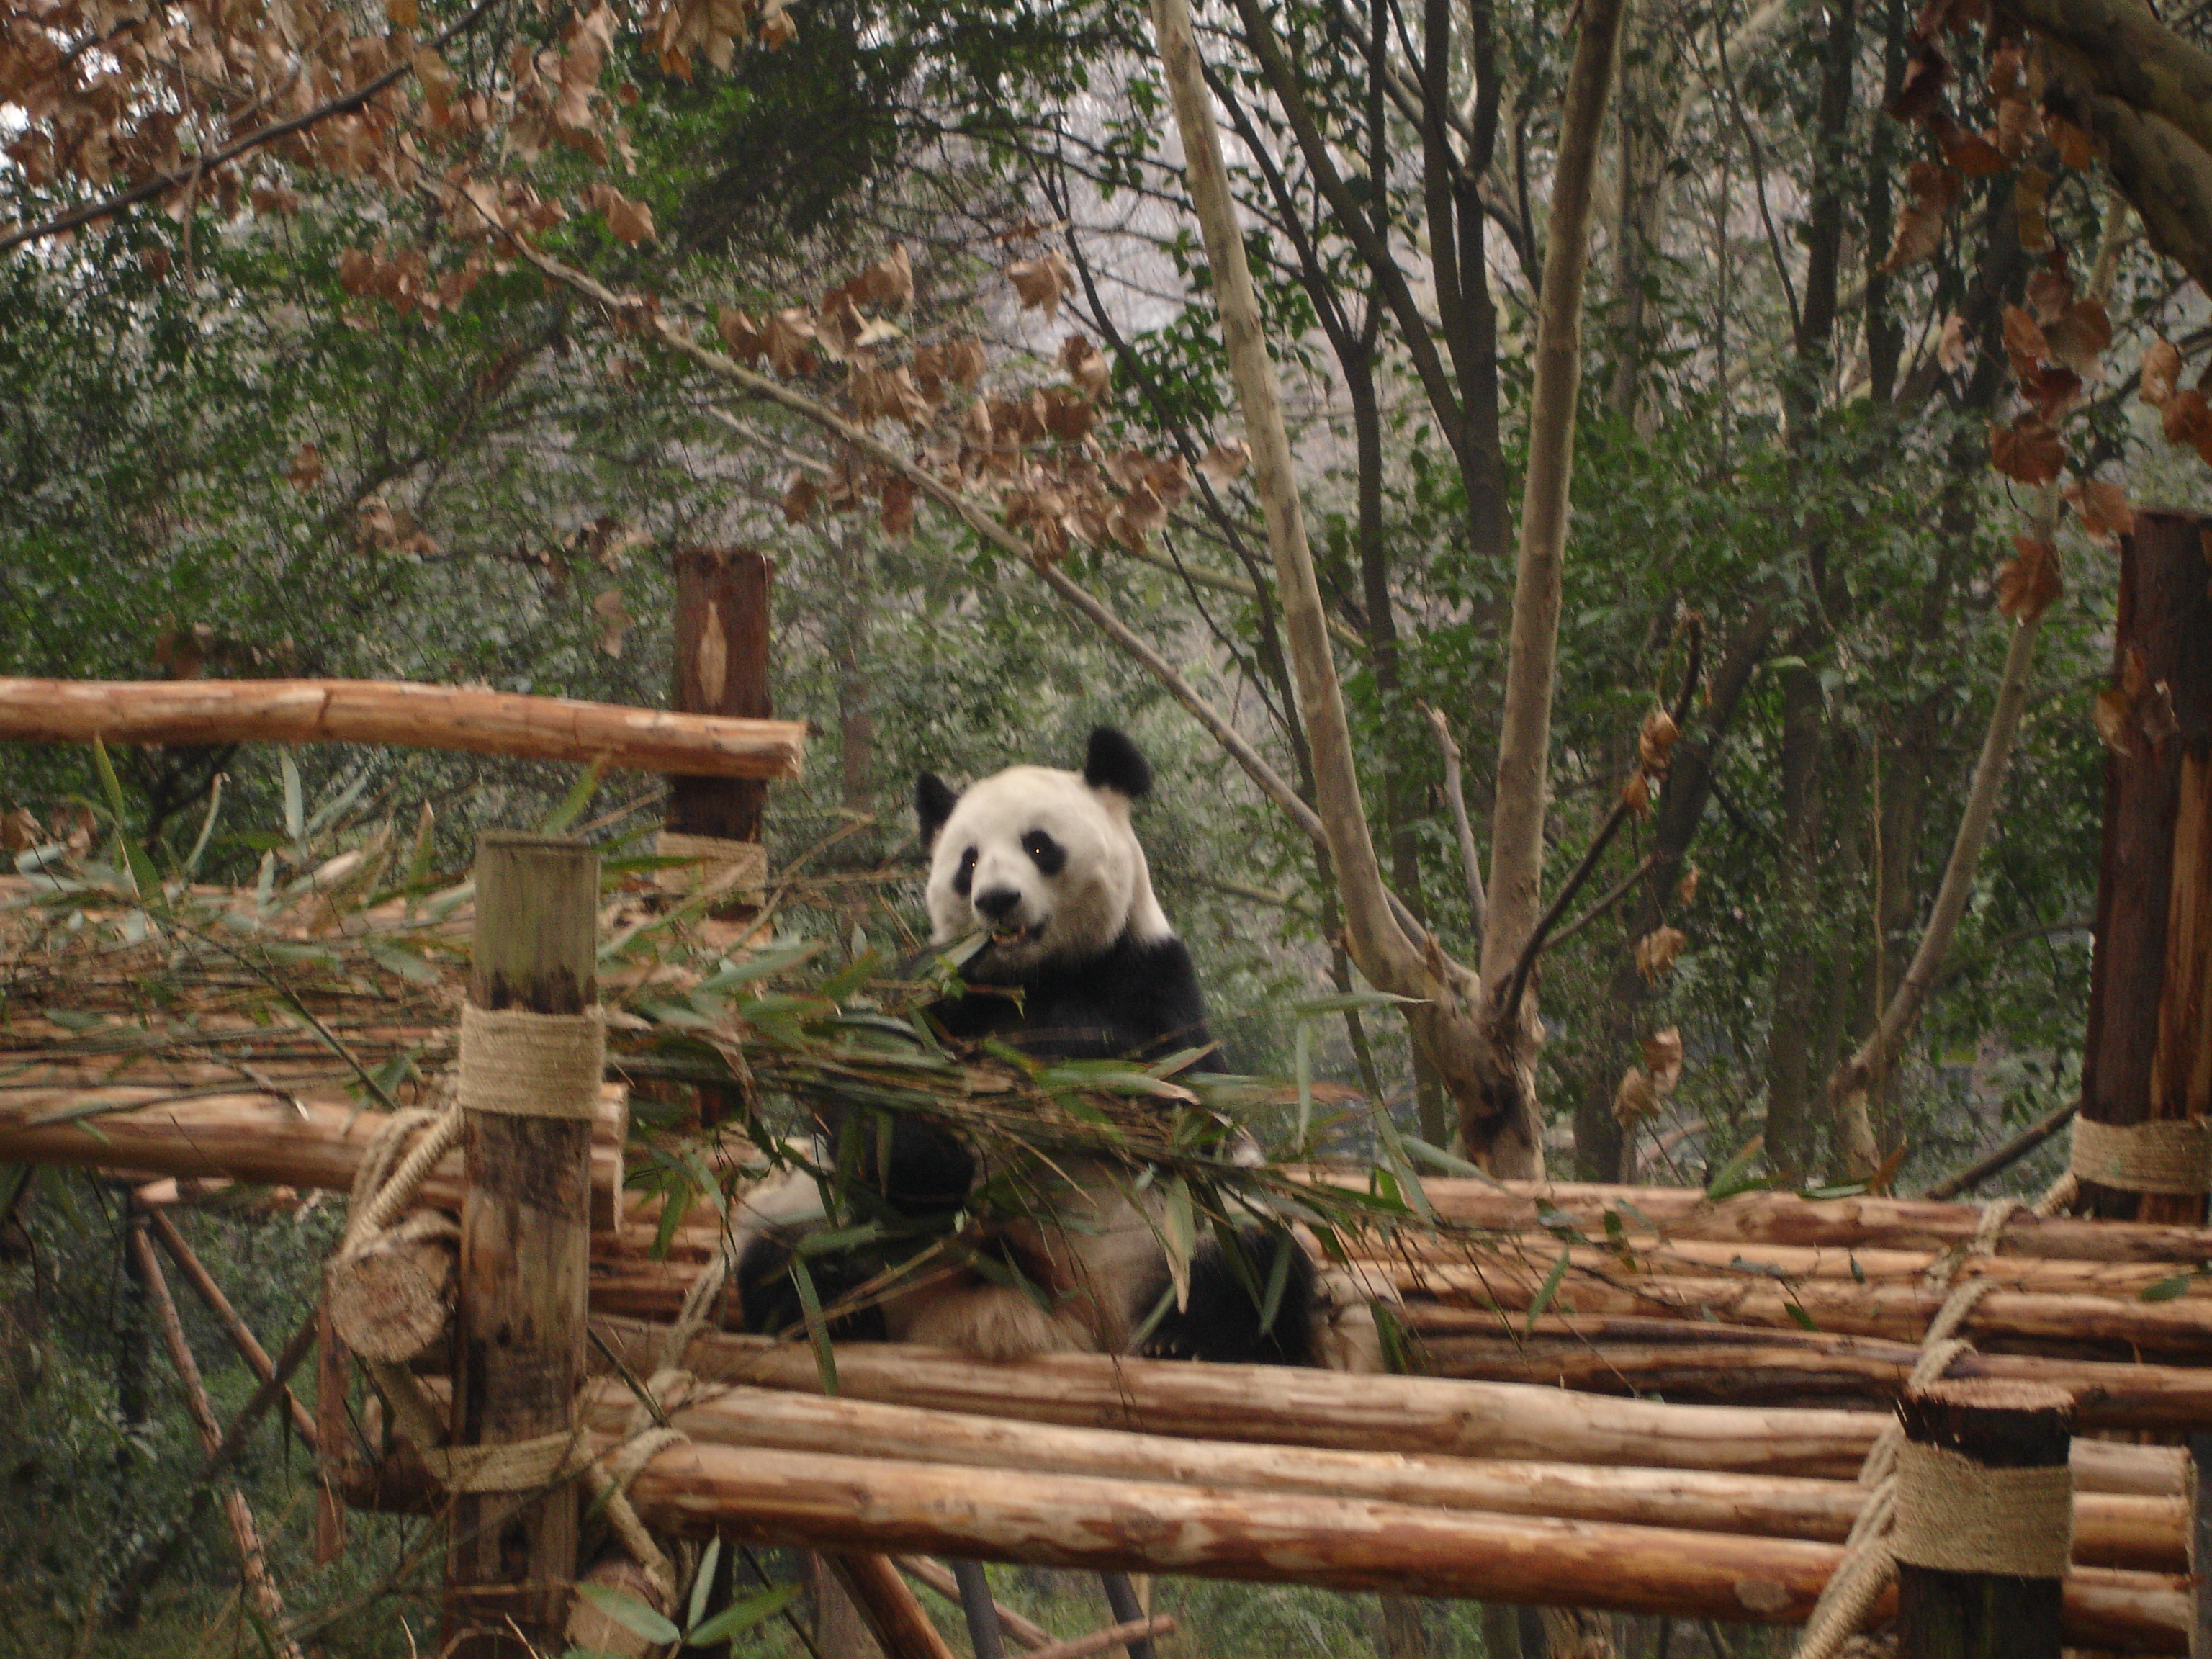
(77, 829)
(2102, 504)
(800, 494)
(1066, 416)
(401, 14)
(1040, 282)
(1685, 890)
(1637, 1100)
(307, 468)
(2075, 150)
(2024, 340)
(898, 516)
(1934, 189)
(2185, 418)
(1951, 346)
(964, 362)
(1972, 156)
(1086, 366)
(2080, 337)
(1656, 740)
(630, 221)
(1636, 794)
(1657, 950)
(2017, 128)
(741, 334)
(615, 622)
(2029, 450)
(1663, 1057)
(18, 831)
(2029, 580)
(778, 29)
(2161, 372)
(1226, 460)
(838, 327)
(2049, 294)
(788, 340)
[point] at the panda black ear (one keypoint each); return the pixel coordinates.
(1114, 762)
(933, 802)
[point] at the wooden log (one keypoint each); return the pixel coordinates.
(1949, 1612)
(1290, 1407)
(246, 1534)
(1772, 1218)
(2150, 1534)
(2177, 1330)
(392, 1299)
(2147, 1056)
(826, 1501)
(338, 1471)
(400, 712)
(247, 1134)
(241, 1336)
(523, 1265)
(894, 1615)
(1699, 1363)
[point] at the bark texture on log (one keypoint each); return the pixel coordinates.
(524, 1257)
(2144, 1533)
(401, 713)
(2148, 1053)
(1286, 1406)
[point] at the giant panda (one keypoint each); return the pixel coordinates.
(1076, 960)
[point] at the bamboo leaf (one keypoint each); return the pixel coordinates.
(296, 811)
(741, 1616)
(702, 1582)
(573, 803)
(2166, 1290)
(1551, 1289)
(630, 1613)
(818, 1328)
(1735, 1176)
(1180, 1239)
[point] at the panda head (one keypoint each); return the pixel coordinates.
(1045, 861)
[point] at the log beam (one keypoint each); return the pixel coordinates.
(400, 712)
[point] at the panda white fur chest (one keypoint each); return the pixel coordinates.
(1076, 960)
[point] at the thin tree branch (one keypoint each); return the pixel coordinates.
(1456, 797)
(1995, 1163)
(1613, 894)
(342, 105)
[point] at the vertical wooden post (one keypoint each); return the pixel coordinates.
(334, 1433)
(1953, 1614)
(524, 1257)
(2150, 1051)
(722, 668)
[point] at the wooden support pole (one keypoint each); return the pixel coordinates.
(241, 1336)
(935, 1575)
(335, 1463)
(525, 1258)
(894, 1613)
(2149, 1054)
(1949, 1612)
(396, 712)
(246, 1536)
(721, 653)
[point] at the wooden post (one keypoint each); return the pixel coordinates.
(722, 668)
(2150, 1051)
(1952, 1613)
(526, 1241)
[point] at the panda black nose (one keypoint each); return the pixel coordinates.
(996, 902)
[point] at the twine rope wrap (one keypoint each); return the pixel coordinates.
(712, 868)
(1959, 1515)
(2171, 1156)
(526, 1064)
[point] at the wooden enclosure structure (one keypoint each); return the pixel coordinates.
(1509, 1479)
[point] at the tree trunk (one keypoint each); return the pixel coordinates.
(1790, 1136)
(2148, 1057)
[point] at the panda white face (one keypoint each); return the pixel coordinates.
(1045, 861)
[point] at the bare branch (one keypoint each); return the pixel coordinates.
(1456, 797)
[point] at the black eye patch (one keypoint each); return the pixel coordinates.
(964, 877)
(1047, 854)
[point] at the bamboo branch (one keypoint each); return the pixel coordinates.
(398, 712)
(1995, 1163)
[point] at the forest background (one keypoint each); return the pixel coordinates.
(1876, 350)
